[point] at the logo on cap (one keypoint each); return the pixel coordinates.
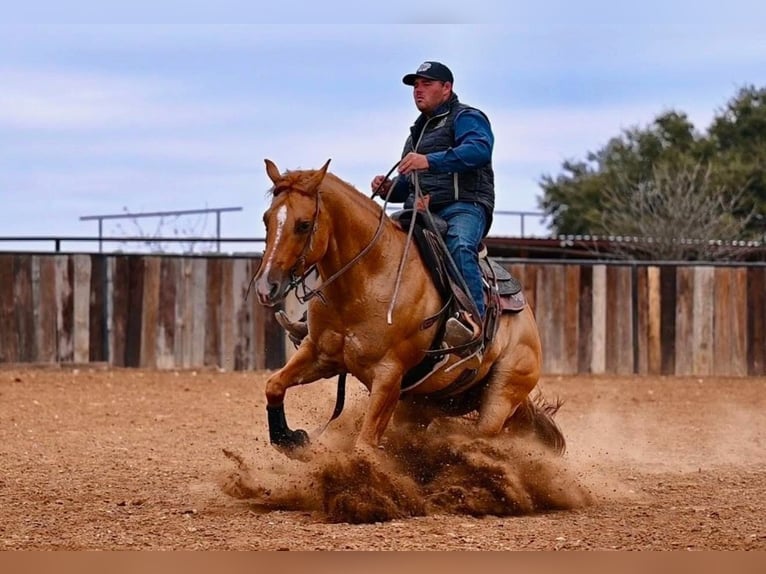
(424, 67)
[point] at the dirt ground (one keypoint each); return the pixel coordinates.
(97, 458)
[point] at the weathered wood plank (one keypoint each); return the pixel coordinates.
(668, 301)
(570, 317)
(212, 343)
(166, 318)
(756, 321)
(120, 280)
(183, 314)
(702, 330)
(82, 273)
(585, 320)
(24, 320)
(150, 311)
(65, 308)
(199, 316)
(45, 301)
(9, 343)
(722, 309)
(739, 313)
(598, 358)
(190, 345)
(135, 305)
(619, 320)
(227, 325)
(641, 344)
(684, 321)
(530, 285)
(98, 316)
(653, 321)
(244, 346)
(550, 286)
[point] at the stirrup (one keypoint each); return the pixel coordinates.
(296, 330)
(457, 333)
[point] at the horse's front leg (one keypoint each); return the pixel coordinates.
(384, 397)
(303, 367)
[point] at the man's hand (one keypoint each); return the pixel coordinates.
(421, 204)
(413, 162)
(380, 185)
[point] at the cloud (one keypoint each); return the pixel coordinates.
(182, 114)
(550, 135)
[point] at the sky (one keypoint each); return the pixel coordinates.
(108, 109)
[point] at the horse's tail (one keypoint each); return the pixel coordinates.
(535, 415)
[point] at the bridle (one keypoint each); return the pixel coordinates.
(298, 281)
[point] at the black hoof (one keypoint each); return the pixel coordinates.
(290, 440)
(280, 435)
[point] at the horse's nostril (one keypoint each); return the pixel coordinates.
(267, 290)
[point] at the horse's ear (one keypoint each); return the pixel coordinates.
(273, 171)
(316, 179)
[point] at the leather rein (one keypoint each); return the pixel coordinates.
(299, 281)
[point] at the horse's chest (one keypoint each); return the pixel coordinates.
(348, 345)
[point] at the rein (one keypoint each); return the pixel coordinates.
(309, 294)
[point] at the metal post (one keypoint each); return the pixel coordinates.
(218, 229)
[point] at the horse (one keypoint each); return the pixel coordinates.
(362, 322)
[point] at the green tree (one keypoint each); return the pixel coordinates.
(737, 139)
(573, 199)
(724, 169)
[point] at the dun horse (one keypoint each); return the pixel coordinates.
(317, 221)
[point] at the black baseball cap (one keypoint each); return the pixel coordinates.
(432, 71)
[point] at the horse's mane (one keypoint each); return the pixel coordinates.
(297, 181)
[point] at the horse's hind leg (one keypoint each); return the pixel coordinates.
(511, 380)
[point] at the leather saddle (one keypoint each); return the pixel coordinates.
(499, 285)
(502, 294)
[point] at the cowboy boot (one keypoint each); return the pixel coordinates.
(459, 332)
(296, 330)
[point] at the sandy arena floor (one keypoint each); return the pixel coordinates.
(125, 459)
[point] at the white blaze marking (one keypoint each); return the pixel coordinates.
(281, 218)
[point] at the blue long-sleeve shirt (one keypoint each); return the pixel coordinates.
(473, 145)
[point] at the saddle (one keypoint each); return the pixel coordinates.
(500, 287)
(503, 293)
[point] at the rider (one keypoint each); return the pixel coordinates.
(448, 158)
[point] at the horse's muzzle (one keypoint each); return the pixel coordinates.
(269, 292)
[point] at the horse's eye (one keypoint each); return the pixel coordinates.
(303, 227)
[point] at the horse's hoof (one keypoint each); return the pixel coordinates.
(300, 438)
(293, 444)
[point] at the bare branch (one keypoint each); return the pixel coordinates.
(681, 213)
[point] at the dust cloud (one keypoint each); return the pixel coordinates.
(413, 475)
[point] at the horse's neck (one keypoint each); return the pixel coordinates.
(354, 227)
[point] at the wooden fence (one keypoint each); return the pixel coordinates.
(183, 312)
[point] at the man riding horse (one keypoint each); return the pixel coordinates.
(446, 167)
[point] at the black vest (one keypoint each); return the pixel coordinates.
(437, 133)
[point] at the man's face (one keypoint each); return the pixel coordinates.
(430, 94)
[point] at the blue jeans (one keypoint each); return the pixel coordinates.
(466, 229)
